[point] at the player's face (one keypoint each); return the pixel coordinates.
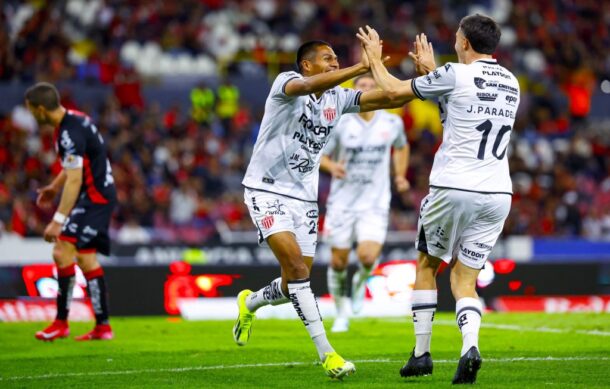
(460, 44)
(39, 113)
(324, 61)
(365, 84)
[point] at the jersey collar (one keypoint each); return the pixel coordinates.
(491, 61)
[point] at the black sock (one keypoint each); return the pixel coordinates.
(96, 287)
(65, 281)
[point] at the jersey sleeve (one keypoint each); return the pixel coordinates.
(278, 89)
(71, 148)
(348, 100)
(436, 83)
(401, 138)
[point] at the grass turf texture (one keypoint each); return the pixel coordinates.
(155, 352)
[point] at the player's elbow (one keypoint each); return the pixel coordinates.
(395, 98)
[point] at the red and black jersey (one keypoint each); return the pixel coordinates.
(80, 145)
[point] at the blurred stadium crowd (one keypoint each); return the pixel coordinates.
(178, 169)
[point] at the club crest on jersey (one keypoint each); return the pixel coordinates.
(330, 113)
(267, 221)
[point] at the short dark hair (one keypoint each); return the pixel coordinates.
(482, 32)
(44, 94)
(306, 49)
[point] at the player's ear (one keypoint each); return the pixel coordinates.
(306, 65)
(465, 44)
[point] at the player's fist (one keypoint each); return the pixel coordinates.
(338, 170)
(46, 195)
(52, 231)
(402, 184)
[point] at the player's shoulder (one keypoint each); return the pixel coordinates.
(75, 120)
(285, 76)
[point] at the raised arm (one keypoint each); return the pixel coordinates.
(323, 81)
(397, 90)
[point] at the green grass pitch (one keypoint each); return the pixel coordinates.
(519, 351)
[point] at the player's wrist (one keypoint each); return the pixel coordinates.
(59, 218)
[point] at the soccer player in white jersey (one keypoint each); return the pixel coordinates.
(358, 158)
(301, 111)
(470, 185)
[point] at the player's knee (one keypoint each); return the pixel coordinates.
(59, 254)
(368, 259)
(338, 265)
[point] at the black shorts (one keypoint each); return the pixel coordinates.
(87, 227)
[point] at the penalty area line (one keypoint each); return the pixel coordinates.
(282, 364)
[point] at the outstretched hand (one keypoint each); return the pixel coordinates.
(423, 57)
(372, 46)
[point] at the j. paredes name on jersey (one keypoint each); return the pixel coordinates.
(493, 111)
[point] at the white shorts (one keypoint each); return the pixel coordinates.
(466, 225)
(272, 213)
(343, 227)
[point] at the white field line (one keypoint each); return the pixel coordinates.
(513, 327)
(283, 364)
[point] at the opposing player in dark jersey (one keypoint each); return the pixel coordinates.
(79, 227)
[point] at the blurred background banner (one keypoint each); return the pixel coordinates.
(178, 90)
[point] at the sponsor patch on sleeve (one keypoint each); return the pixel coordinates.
(72, 162)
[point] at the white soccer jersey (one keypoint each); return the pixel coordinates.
(365, 148)
(294, 130)
(478, 104)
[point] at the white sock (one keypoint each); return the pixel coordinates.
(271, 294)
(423, 305)
(336, 280)
(468, 317)
(306, 306)
(361, 276)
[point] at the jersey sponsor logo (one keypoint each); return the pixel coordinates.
(483, 246)
(495, 73)
(479, 82)
(268, 180)
(312, 213)
(89, 231)
(492, 111)
(511, 100)
(267, 221)
(76, 211)
(330, 113)
(485, 96)
(307, 143)
(471, 253)
(509, 89)
(275, 208)
(309, 124)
